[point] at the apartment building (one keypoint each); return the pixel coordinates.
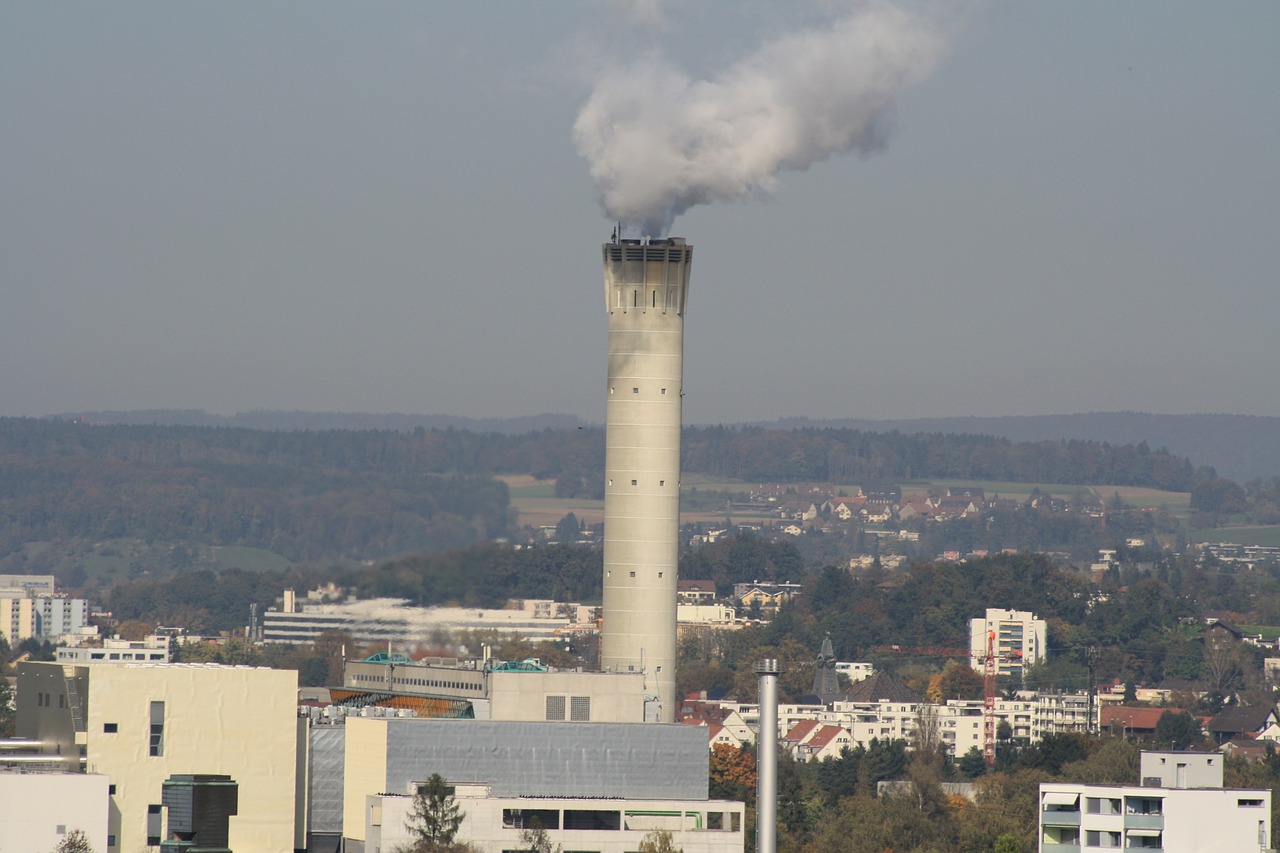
(1019, 640)
(1179, 807)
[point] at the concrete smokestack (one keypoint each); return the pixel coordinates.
(767, 758)
(646, 284)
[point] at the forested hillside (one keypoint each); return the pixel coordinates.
(324, 498)
(368, 495)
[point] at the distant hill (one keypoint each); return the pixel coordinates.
(277, 420)
(1240, 447)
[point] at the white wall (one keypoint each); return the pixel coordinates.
(33, 806)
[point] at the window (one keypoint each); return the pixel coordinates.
(580, 709)
(735, 822)
(522, 818)
(110, 728)
(111, 790)
(634, 482)
(153, 825)
(635, 390)
(157, 730)
(1249, 804)
(592, 819)
(555, 707)
(715, 820)
(633, 574)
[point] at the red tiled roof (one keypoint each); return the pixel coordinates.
(1132, 718)
(801, 730)
(823, 736)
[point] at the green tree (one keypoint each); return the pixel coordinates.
(659, 841)
(972, 764)
(1177, 731)
(8, 716)
(435, 817)
(1007, 844)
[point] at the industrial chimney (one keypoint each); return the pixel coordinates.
(646, 283)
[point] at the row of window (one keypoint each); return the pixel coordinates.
(364, 678)
(610, 819)
(45, 700)
(637, 482)
(635, 389)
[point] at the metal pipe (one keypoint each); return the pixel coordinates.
(767, 758)
(20, 743)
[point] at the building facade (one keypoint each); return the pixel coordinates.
(587, 762)
(602, 825)
(1019, 640)
(140, 724)
(1180, 807)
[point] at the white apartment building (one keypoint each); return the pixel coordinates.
(855, 671)
(1019, 640)
(1180, 807)
(1030, 716)
(44, 617)
(153, 649)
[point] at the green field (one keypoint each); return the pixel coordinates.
(250, 559)
(1239, 535)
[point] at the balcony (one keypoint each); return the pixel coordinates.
(1144, 821)
(1046, 847)
(1053, 817)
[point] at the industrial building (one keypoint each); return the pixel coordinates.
(514, 691)
(393, 621)
(1180, 807)
(138, 725)
(597, 786)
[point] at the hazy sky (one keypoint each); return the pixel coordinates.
(381, 207)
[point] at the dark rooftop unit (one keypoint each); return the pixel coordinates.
(200, 809)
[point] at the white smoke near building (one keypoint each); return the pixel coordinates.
(659, 143)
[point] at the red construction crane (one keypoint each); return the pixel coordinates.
(990, 669)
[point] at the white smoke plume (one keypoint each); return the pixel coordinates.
(659, 143)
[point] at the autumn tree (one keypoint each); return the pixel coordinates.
(659, 841)
(732, 773)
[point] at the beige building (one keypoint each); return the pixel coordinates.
(139, 724)
(17, 619)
